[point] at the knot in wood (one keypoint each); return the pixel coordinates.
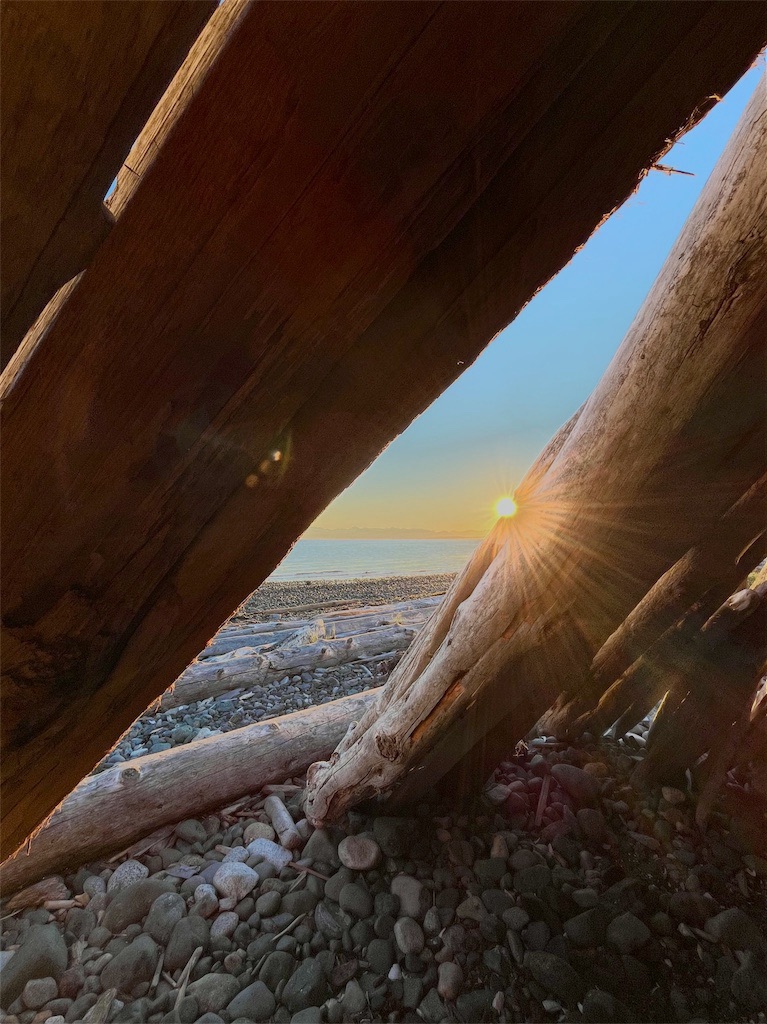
(387, 746)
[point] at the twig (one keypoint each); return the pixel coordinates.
(184, 979)
(671, 170)
(158, 971)
(290, 927)
(542, 800)
(309, 871)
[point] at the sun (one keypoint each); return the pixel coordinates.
(506, 507)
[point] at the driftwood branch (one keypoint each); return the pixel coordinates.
(106, 812)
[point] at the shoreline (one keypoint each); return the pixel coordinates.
(367, 591)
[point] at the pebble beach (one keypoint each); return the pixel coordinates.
(158, 730)
(558, 893)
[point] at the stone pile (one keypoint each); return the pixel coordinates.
(564, 896)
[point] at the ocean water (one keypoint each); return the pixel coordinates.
(348, 559)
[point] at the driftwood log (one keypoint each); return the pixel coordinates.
(624, 681)
(302, 276)
(711, 684)
(672, 436)
(329, 626)
(107, 812)
(217, 675)
(78, 82)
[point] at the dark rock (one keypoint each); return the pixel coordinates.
(490, 870)
(555, 975)
(497, 901)
(600, 1007)
(308, 986)
(255, 1003)
(749, 984)
(336, 882)
(691, 908)
(42, 954)
(135, 964)
(380, 956)
(735, 929)
(268, 904)
(431, 1008)
(627, 933)
(588, 928)
(473, 1006)
(356, 900)
(581, 786)
(187, 935)
(311, 1015)
(395, 836)
(277, 968)
(297, 903)
(535, 879)
(80, 923)
(214, 991)
(536, 935)
(330, 919)
(191, 831)
(321, 847)
(353, 1001)
(131, 905)
(593, 825)
(80, 1007)
(166, 911)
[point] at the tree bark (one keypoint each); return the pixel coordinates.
(107, 812)
(683, 405)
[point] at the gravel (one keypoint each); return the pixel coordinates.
(158, 730)
(614, 906)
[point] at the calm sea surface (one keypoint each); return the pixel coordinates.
(347, 559)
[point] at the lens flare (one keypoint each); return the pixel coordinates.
(506, 507)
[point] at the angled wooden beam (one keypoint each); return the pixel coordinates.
(78, 81)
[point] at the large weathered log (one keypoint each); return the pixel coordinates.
(335, 227)
(79, 79)
(107, 812)
(207, 678)
(679, 407)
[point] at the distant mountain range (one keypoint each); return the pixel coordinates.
(389, 533)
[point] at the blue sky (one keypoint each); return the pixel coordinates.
(476, 441)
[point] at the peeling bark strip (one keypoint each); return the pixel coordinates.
(295, 272)
(671, 437)
(109, 811)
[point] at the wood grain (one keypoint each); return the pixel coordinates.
(78, 81)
